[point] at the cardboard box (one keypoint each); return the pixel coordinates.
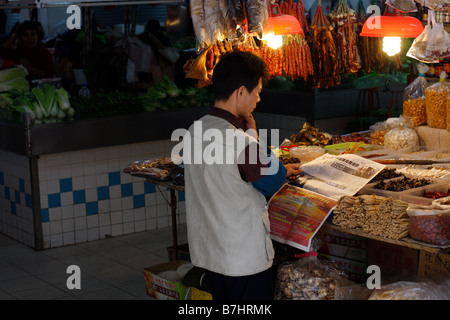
(431, 264)
(163, 289)
(391, 258)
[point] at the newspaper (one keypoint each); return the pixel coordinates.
(298, 210)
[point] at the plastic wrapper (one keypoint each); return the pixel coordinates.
(401, 135)
(403, 5)
(438, 46)
(309, 278)
(236, 17)
(418, 48)
(414, 98)
(257, 16)
(214, 22)
(436, 5)
(401, 287)
(431, 224)
(436, 103)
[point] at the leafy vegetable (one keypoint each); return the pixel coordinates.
(13, 73)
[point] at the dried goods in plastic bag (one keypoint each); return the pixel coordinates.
(448, 112)
(403, 5)
(418, 48)
(436, 103)
(309, 278)
(431, 224)
(414, 98)
(438, 45)
(401, 134)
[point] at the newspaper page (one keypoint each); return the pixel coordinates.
(338, 175)
(298, 210)
(297, 214)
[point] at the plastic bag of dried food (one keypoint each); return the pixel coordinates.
(401, 135)
(409, 290)
(436, 103)
(308, 278)
(418, 48)
(414, 98)
(438, 45)
(436, 5)
(402, 5)
(256, 15)
(237, 24)
(430, 224)
(448, 112)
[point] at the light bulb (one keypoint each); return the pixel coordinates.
(391, 45)
(273, 41)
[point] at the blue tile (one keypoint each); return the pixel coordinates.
(44, 215)
(28, 200)
(102, 193)
(114, 178)
(65, 185)
(181, 196)
(139, 201)
(17, 196)
(22, 185)
(149, 187)
(127, 189)
(79, 196)
(7, 196)
(54, 200)
(13, 208)
(2, 179)
(91, 208)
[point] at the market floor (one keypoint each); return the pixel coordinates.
(110, 269)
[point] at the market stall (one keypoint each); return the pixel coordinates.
(71, 173)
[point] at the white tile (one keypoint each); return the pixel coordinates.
(139, 226)
(80, 223)
(116, 204)
(102, 179)
(56, 240)
(115, 191)
(104, 206)
(105, 231)
(150, 224)
(128, 215)
(68, 225)
(52, 173)
(139, 214)
(78, 183)
(150, 199)
(77, 171)
(44, 201)
(79, 210)
(116, 230)
(54, 214)
(138, 187)
(114, 166)
(92, 221)
(161, 210)
(127, 203)
(89, 169)
(90, 181)
(68, 238)
(150, 212)
(55, 227)
(43, 187)
(93, 234)
(91, 194)
(101, 167)
(81, 235)
(163, 222)
(46, 228)
(116, 217)
(104, 219)
(65, 172)
(66, 198)
(53, 186)
(128, 227)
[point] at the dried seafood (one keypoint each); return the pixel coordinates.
(310, 136)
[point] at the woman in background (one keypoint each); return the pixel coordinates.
(25, 48)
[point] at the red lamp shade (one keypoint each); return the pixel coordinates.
(392, 26)
(281, 24)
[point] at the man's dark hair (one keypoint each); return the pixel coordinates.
(236, 69)
(31, 25)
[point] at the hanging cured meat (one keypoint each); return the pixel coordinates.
(294, 8)
(343, 21)
(323, 51)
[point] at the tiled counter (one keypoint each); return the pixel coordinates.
(54, 194)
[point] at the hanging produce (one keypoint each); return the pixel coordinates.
(294, 8)
(323, 51)
(343, 21)
(370, 48)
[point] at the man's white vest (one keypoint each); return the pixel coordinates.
(227, 219)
